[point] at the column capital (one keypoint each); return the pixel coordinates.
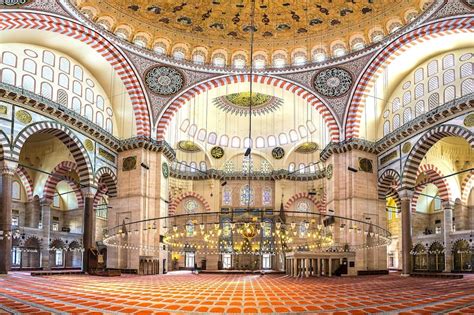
(89, 192)
(447, 205)
(8, 167)
(406, 193)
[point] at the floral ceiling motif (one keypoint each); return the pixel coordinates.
(239, 103)
(333, 82)
(223, 27)
(164, 80)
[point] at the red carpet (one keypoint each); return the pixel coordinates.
(186, 293)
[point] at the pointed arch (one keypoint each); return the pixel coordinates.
(466, 187)
(13, 19)
(435, 177)
(175, 202)
(310, 97)
(66, 136)
(106, 176)
(58, 174)
(5, 151)
(387, 55)
(422, 146)
(26, 181)
(389, 184)
(320, 205)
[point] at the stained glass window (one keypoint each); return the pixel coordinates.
(226, 229)
(191, 206)
(267, 196)
(189, 228)
(227, 196)
(303, 229)
(246, 196)
(302, 206)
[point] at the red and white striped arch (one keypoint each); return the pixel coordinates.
(466, 186)
(202, 87)
(26, 181)
(320, 205)
(388, 55)
(435, 177)
(12, 19)
(189, 194)
(58, 174)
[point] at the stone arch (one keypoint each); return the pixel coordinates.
(26, 181)
(466, 186)
(175, 202)
(32, 242)
(387, 55)
(435, 177)
(106, 175)
(59, 174)
(320, 205)
(422, 146)
(5, 150)
(12, 19)
(389, 184)
(68, 138)
(179, 101)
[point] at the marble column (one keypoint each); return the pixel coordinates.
(405, 200)
(8, 172)
(45, 206)
(447, 229)
(88, 226)
(295, 267)
(330, 267)
(307, 268)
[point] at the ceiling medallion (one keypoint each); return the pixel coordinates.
(165, 170)
(406, 147)
(333, 82)
(164, 80)
(188, 146)
(217, 152)
(239, 103)
(307, 147)
(278, 153)
(13, 2)
(469, 120)
(23, 116)
(365, 165)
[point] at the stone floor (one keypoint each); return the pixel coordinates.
(186, 294)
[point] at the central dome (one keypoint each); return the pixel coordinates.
(327, 28)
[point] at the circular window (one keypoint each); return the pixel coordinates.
(191, 206)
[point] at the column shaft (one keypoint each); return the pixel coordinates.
(405, 197)
(447, 229)
(88, 232)
(6, 220)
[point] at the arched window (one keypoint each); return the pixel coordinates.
(192, 130)
(193, 167)
(386, 128)
(108, 125)
(419, 108)
(432, 67)
(247, 165)
(48, 58)
(406, 98)
(467, 87)
(100, 102)
(312, 168)
(419, 90)
(407, 115)
(395, 104)
(433, 101)
(239, 61)
(299, 59)
(16, 190)
(291, 167)
(62, 97)
(267, 196)
(279, 61)
(448, 61)
(283, 138)
(271, 141)
(301, 168)
(311, 126)
(199, 57)
(89, 112)
(227, 196)
(77, 88)
(419, 75)
(247, 142)
(396, 121)
(184, 125)
(202, 134)
(433, 84)
(47, 73)
(303, 131)
(76, 105)
(203, 166)
(467, 70)
(8, 76)
(46, 90)
(9, 59)
(260, 142)
(78, 73)
(212, 138)
(448, 76)
(246, 195)
(89, 96)
(178, 54)
(29, 66)
(218, 60)
(235, 142)
(28, 83)
(293, 135)
(64, 65)
(449, 93)
(224, 141)
(99, 119)
(63, 80)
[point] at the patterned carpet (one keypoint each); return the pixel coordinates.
(186, 293)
